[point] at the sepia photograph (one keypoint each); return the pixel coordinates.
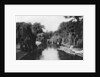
(49, 37)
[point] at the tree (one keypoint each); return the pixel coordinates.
(24, 36)
(37, 28)
(72, 31)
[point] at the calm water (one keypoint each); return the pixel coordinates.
(50, 54)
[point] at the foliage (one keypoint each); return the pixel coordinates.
(26, 34)
(37, 28)
(72, 31)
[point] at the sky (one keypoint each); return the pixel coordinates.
(51, 23)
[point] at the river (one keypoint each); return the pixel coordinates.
(49, 53)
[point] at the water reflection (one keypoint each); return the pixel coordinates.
(50, 53)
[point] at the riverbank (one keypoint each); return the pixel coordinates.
(73, 51)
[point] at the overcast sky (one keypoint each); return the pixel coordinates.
(51, 23)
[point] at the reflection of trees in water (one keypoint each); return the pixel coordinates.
(49, 53)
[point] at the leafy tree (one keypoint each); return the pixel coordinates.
(37, 28)
(72, 31)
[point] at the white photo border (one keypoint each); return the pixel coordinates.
(86, 65)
